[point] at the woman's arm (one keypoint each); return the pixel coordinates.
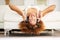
(47, 10)
(15, 8)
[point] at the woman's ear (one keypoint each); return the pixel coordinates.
(47, 10)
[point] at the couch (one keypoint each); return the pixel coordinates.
(11, 19)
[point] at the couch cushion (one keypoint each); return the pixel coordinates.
(12, 15)
(52, 16)
(11, 25)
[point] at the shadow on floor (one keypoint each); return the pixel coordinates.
(30, 35)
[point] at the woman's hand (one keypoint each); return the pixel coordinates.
(39, 16)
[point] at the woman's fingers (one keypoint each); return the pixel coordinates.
(39, 15)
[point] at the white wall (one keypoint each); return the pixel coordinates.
(55, 2)
(29, 2)
(2, 2)
(17, 2)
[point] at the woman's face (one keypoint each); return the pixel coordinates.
(32, 18)
(32, 13)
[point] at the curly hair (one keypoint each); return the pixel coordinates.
(27, 28)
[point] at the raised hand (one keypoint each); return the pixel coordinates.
(47, 10)
(16, 9)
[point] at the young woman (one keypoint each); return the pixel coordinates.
(32, 22)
